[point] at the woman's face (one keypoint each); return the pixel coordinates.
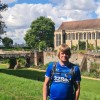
(64, 57)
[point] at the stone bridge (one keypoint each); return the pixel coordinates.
(9, 54)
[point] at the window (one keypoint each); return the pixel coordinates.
(72, 36)
(58, 39)
(89, 36)
(64, 37)
(68, 36)
(98, 35)
(93, 35)
(76, 36)
(80, 36)
(84, 35)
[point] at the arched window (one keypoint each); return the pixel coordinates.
(93, 35)
(84, 35)
(98, 35)
(58, 39)
(80, 36)
(72, 36)
(64, 37)
(89, 35)
(76, 36)
(68, 36)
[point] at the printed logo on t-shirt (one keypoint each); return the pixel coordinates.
(61, 79)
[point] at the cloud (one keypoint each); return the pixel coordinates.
(16, 35)
(75, 5)
(19, 17)
(74, 9)
(98, 10)
(8, 1)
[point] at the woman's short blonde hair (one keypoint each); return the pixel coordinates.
(64, 48)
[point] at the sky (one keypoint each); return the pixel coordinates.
(21, 13)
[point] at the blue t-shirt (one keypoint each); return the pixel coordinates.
(61, 87)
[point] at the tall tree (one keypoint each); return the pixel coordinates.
(2, 24)
(42, 45)
(7, 42)
(42, 29)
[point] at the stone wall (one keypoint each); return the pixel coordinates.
(83, 60)
(50, 57)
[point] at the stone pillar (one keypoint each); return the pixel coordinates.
(95, 44)
(78, 41)
(86, 40)
(95, 40)
(86, 44)
(95, 35)
(12, 62)
(70, 43)
(35, 58)
(89, 60)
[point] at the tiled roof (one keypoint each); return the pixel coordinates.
(82, 24)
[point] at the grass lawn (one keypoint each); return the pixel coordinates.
(24, 84)
(90, 89)
(3, 66)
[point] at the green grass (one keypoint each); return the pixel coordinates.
(3, 66)
(24, 84)
(13, 88)
(21, 84)
(90, 90)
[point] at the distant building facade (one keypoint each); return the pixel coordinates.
(74, 31)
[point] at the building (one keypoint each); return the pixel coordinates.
(74, 31)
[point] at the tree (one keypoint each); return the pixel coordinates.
(42, 29)
(7, 42)
(42, 45)
(2, 24)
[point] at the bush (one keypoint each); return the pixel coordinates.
(22, 61)
(4, 61)
(82, 45)
(85, 73)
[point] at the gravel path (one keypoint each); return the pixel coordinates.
(91, 78)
